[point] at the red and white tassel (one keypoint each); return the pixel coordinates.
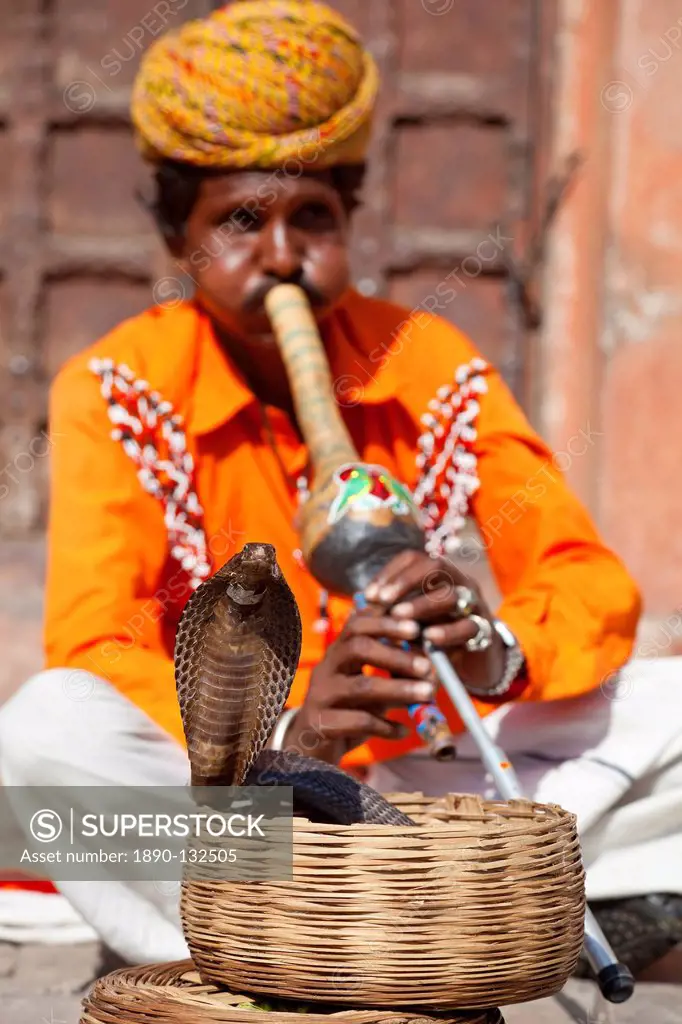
(446, 461)
(153, 437)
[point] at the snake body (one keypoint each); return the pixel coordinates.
(236, 653)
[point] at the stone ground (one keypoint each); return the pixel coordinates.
(45, 985)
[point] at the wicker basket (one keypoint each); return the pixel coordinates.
(174, 994)
(480, 904)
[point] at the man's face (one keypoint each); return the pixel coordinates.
(250, 230)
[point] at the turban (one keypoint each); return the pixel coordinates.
(255, 84)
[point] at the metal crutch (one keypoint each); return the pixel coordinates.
(615, 980)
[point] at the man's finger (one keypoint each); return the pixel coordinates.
(454, 635)
(376, 694)
(432, 606)
(354, 724)
(391, 573)
(381, 626)
(358, 651)
(426, 575)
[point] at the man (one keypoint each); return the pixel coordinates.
(257, 121)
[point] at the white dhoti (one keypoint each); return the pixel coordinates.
(613, 757)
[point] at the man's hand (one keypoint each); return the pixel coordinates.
(415, 587)
(343, 707)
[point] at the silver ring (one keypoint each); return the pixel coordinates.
(465, 601)
(483, 638)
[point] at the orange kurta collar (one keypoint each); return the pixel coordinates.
(360, 357)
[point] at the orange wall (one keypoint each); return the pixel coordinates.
(611, 345)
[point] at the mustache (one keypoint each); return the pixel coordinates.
(256, 296)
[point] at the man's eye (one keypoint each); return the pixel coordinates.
(314, 217)
(242, 220)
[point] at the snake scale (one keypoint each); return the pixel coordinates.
(236, 653)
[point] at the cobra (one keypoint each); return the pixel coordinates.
(236, 653)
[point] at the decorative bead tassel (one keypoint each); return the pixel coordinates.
(446, 463)
(152, 436)
(302, 490)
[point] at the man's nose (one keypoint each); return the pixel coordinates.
(281, 254)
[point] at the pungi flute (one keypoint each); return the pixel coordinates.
(357, 516)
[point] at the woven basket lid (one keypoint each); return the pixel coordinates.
(174, 993)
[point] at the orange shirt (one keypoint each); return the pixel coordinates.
(114, 595)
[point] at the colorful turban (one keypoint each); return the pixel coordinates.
(256, 84)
